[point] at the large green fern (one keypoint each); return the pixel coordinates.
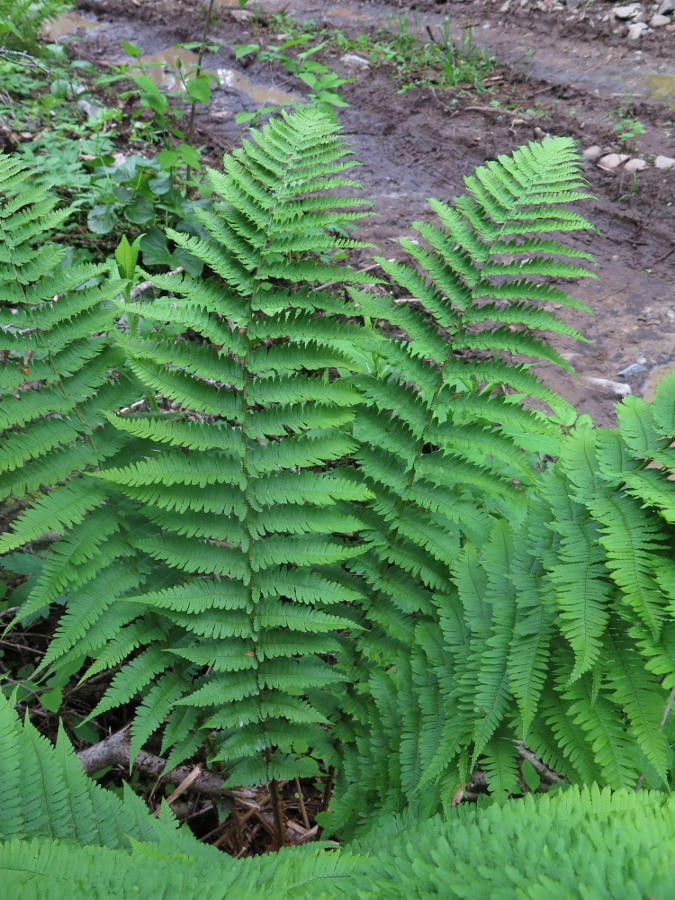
(320, 546)
(242, 501)
(450, 442)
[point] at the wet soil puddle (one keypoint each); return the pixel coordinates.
(162, 68)
(661, 88)
(656, 376)
(67, 23)
(558, 62)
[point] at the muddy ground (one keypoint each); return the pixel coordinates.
(559, 71)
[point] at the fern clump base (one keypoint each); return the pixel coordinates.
(62, 836)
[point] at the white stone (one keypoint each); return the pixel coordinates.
(592, 153)
(636, 30)
(90, 109)
(658, 21)
(611, 161)
(614, 387)
(627, 12)
(664, 162)
(668, 6)
(635, 165)
(351, 59)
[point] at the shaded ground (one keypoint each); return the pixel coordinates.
(422, 142)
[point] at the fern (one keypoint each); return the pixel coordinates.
(59, 374)
(447, 447)
(241, 501)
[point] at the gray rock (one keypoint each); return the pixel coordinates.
(636, 30)
(573, 4)
(613, 387)
(635, 165)
(668, 6)
(635, 369)
(664, 162)
(90, 109)
(592, 153)
(611, 161)
(358, 62)
(658, 21)
(627, 12)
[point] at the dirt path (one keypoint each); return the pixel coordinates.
(575, 74)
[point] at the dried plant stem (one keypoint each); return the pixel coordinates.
(278, 812)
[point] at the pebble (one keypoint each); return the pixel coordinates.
(668, 6)
(90, 109)
(635, 165)
(592, 153)
(351, 59)
(612, 161)
(573, 4)
(664, 162)
(614, 387)
(635, 369)
(627, 12)
(658, 21)
(636, 30)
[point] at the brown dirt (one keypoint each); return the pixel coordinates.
(423, 142)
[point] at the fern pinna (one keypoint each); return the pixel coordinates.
(243, 506)
(450, 439)
(59, 375)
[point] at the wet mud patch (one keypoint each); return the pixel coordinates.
(421, 143)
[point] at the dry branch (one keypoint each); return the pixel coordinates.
(115, 751)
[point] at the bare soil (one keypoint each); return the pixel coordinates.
(422, 142)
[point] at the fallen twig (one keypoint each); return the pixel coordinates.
(542, 771)
(146, 285)
(115, 751)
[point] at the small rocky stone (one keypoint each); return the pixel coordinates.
(636, 30)
(668, 6)
(650, 318)
(658, 21)
(611, 161)
(573, 4)
(664, 162)
(635, 165)
(614, 387)
(540, 134)
(351, 59)
(635, 369)
(592, 153)
(627, 12)
(90, 109)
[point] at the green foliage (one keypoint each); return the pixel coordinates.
(321, 81)
(324, 550)
(21, 21)
(63, 836)
(59, 374)
(450, 450)
(257, 506)
(579, 844)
